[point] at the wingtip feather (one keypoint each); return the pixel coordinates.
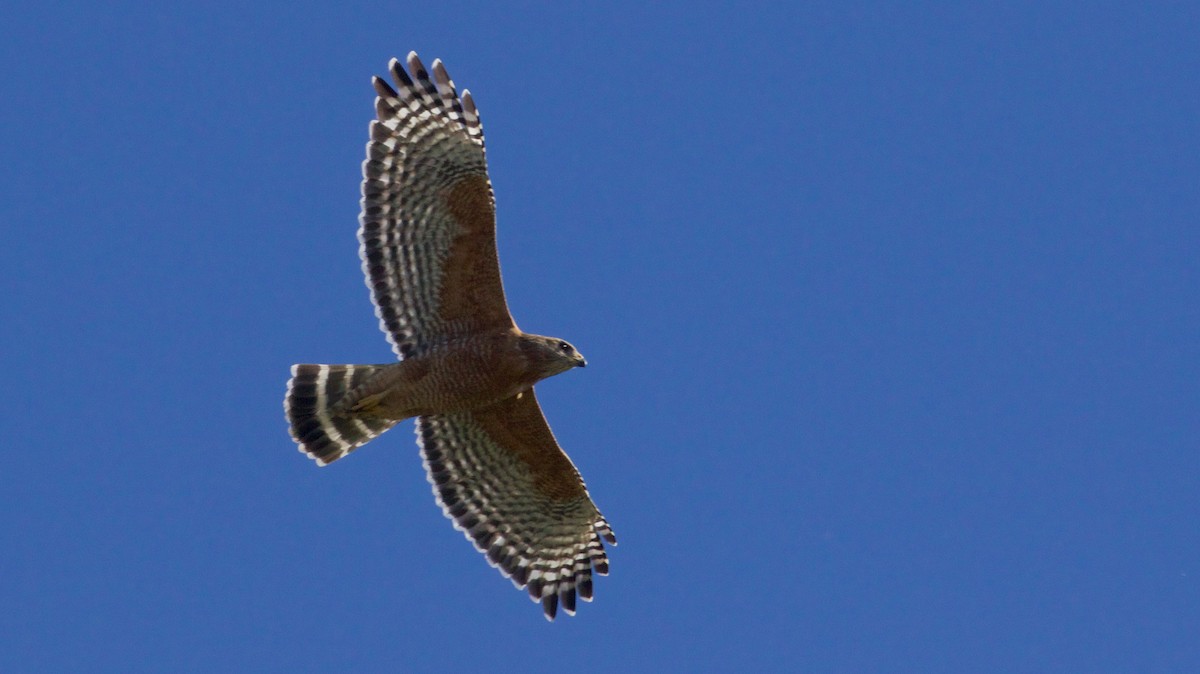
(382, 88)
(414, 63)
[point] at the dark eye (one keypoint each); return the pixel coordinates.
(566, 348)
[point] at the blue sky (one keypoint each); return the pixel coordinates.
(890, 309)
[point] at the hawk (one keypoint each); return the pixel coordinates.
(466, 372)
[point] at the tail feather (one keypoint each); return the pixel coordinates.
(323, 431)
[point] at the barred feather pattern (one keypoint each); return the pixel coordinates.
(425, 140)
(323, 431)
(549, 547)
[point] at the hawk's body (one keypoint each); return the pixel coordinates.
(467, 374)
(466, 371)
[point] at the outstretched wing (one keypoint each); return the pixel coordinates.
(499, 474)
(428, 223)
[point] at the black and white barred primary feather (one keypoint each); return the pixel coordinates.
(425, 141)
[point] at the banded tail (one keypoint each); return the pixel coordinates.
(323, 431)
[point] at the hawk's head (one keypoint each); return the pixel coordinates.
(549, 356)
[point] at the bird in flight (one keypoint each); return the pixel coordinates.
(466, 372)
